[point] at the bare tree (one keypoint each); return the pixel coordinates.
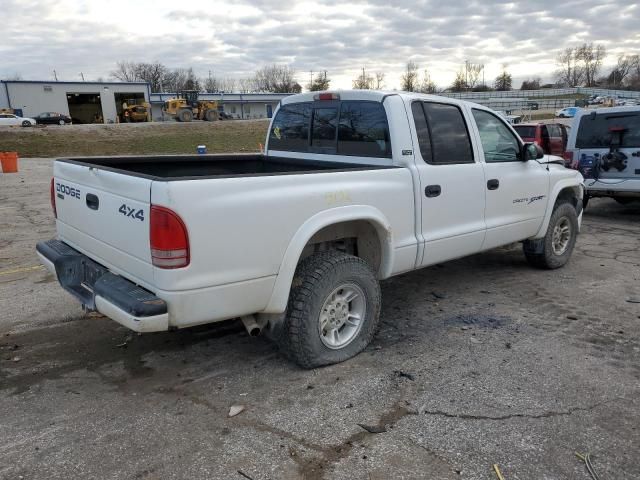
(152, 73)
(624, 67)
(319, 83)
(504, 80)
(531, 84)
(378, 81)
(246, 85)
(459, 83)
(210, 84)
(472, 73)
(591, 57)
(126, 71)
(15, 77)
(570, 73)
(364, 81)
(228, 84)
(276, 79)
(409, 79)
(427, 85)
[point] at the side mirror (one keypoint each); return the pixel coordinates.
(531, 151)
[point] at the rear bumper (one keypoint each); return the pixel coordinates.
(98, 289)
(613, 187)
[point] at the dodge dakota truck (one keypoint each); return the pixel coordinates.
(353, 187)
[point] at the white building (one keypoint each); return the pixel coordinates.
(84, 102)
(97, 102)
(238, 105)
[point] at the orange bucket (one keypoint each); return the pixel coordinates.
(9, 161)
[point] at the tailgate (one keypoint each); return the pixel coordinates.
(105, 215)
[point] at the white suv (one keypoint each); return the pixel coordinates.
(604, 145)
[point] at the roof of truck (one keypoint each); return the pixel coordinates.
(371, 95)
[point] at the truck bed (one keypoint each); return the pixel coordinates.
(192, 167)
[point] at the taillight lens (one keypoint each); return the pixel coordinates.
(52, 190)
(169, 239)
(568, 159)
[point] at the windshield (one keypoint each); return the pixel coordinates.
(595, 131)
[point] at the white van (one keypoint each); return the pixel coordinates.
(604, 145)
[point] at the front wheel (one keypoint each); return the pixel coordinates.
(333, 311)
(61, 122)
(554, 250)
(26, 123)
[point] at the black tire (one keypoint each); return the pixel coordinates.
(585, 201)
(316, 278)
(26, 123)
(211, 116)
(541, 254)
(185, 116)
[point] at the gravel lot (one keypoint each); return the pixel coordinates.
(478, 362)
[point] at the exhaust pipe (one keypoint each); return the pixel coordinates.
(249, 322)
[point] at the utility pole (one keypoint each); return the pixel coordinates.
(82, 76)
(55, 75)
(466, 74)
(310, 79)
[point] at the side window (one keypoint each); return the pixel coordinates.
(323, 131)
(498, 143)
(290, 129)
(422, 130)
(554, 130)
(363, 130)
(448, 134)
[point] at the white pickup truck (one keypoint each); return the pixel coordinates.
(353, 187)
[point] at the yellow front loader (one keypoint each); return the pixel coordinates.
(186, 107)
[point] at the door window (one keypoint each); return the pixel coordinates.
(498, 142)
(442, 133)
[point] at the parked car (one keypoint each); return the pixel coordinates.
(354, 187)
(52, 118)
(225, 116)
(568, 112)
(11, 119)
(604, 145)
(552, 137)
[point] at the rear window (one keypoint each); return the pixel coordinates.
(290, 128)
(354, 128)
(595, 131)
(526, 131)
(363, 130)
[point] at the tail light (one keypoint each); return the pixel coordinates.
(568, 159)
(52, 190)
(169, 239)
(326, 96)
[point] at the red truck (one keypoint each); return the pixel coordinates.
(552, 137)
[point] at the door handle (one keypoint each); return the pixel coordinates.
(92, 201)
(493, 184)
(432, 190)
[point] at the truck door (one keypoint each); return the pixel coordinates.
(452, 183)
(516, 191)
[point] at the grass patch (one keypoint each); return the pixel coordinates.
(135, 139)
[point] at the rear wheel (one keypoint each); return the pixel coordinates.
(61, 122)
(554, 250)
(211, 116)
(185, 115)
(333, 311)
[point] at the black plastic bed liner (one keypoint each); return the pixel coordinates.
(191, 167)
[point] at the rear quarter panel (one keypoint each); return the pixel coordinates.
(239, 228)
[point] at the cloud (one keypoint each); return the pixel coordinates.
(234, 39)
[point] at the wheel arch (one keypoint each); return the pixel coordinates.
(323, 227)
(564, 190)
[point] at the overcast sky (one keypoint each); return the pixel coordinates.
(234, 38)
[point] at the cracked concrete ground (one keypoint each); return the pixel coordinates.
(478, 362)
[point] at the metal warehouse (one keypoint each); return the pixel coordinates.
(103, 102)
(84, 102)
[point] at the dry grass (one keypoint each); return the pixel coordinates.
(132, 139)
